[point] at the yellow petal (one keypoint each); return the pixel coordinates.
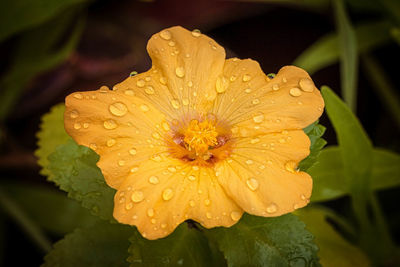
(256, 104)
(123, 130)
(184, 72)
(165, 193)
(261, 173)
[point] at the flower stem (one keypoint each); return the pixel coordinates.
(19, 216)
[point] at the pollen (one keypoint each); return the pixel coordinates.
(200, 136)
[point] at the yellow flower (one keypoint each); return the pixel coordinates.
(199, 137)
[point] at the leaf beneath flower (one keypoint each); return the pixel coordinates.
(314, 132)
(258, 241)
(104, 244)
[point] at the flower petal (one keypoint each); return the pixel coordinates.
(123, 130)
(258, 105)
(185, 68)
(261, 174)
(165, 193)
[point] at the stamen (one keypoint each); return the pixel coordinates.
(200, 136)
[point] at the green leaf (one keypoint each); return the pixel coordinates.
(45, 50)
(50, 135)
(30, 13)
(73, 168)
(334, 250)
(356, 148)
(184, 247)
(329, 178)
(348, 55)
(258, 241)
(325, 51)
(49, 208)
(104, 244)
(314, 132)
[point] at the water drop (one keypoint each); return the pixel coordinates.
(207, 202)
(275, 87)
(144, 108)
(254, 140)
(133, 73)
(93, 146)
(272, 208)
(258, 118)
(74, 114)
(233, 78)
(235, 215)
(121, 163)
(252, 183)
(208, 215)
(137, 196)
(192, 203)
(166, 34)
(175, 103)
(255, 101)
(295, 91)
(149, 90)
(129, 92)
(171, 169)
(154, 179)
(196, 33)
(165, 126)
(306, 85)
(110, 124)
(78, 96)
(111, 142)
(77, 126)
(150, 212)
(132, 151)
(180, 72)
(249, 162)
(167, 194)
(134, 169)
(221, 84)
(163, 80)
(246, 77)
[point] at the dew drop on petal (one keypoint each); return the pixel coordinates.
(255, 101)
(78, 96)
(121, 163)
(196, 33)
(252, 183)
(150, 212)
(149, 90)
(192, 177)
(154, 179)
(235, 215)
(118, 109)
(165, 126)
(77, 126)
(167, 194)
(221, 84)
(207, 202)
(246, 77)
(144, 108)
(166, 34)
(110, 124)
(295, 91)
(275, 87)
(132, 151)
(74, 114)
(192, 203)
(175, 104)
(271, 208)
(93, 146)
(104, 89)
(254, 140)
(180, 72)
(86, 125)
(232, 78)
(111, 142)
(163, 80)
(137, 196)
(140, 83)
(258, 118)
(208, 215)
(134, 169)
(306, 85)
(129, 92)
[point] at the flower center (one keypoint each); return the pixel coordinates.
(200, 136)
(201, 142)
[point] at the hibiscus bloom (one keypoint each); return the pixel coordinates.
(199, 136)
